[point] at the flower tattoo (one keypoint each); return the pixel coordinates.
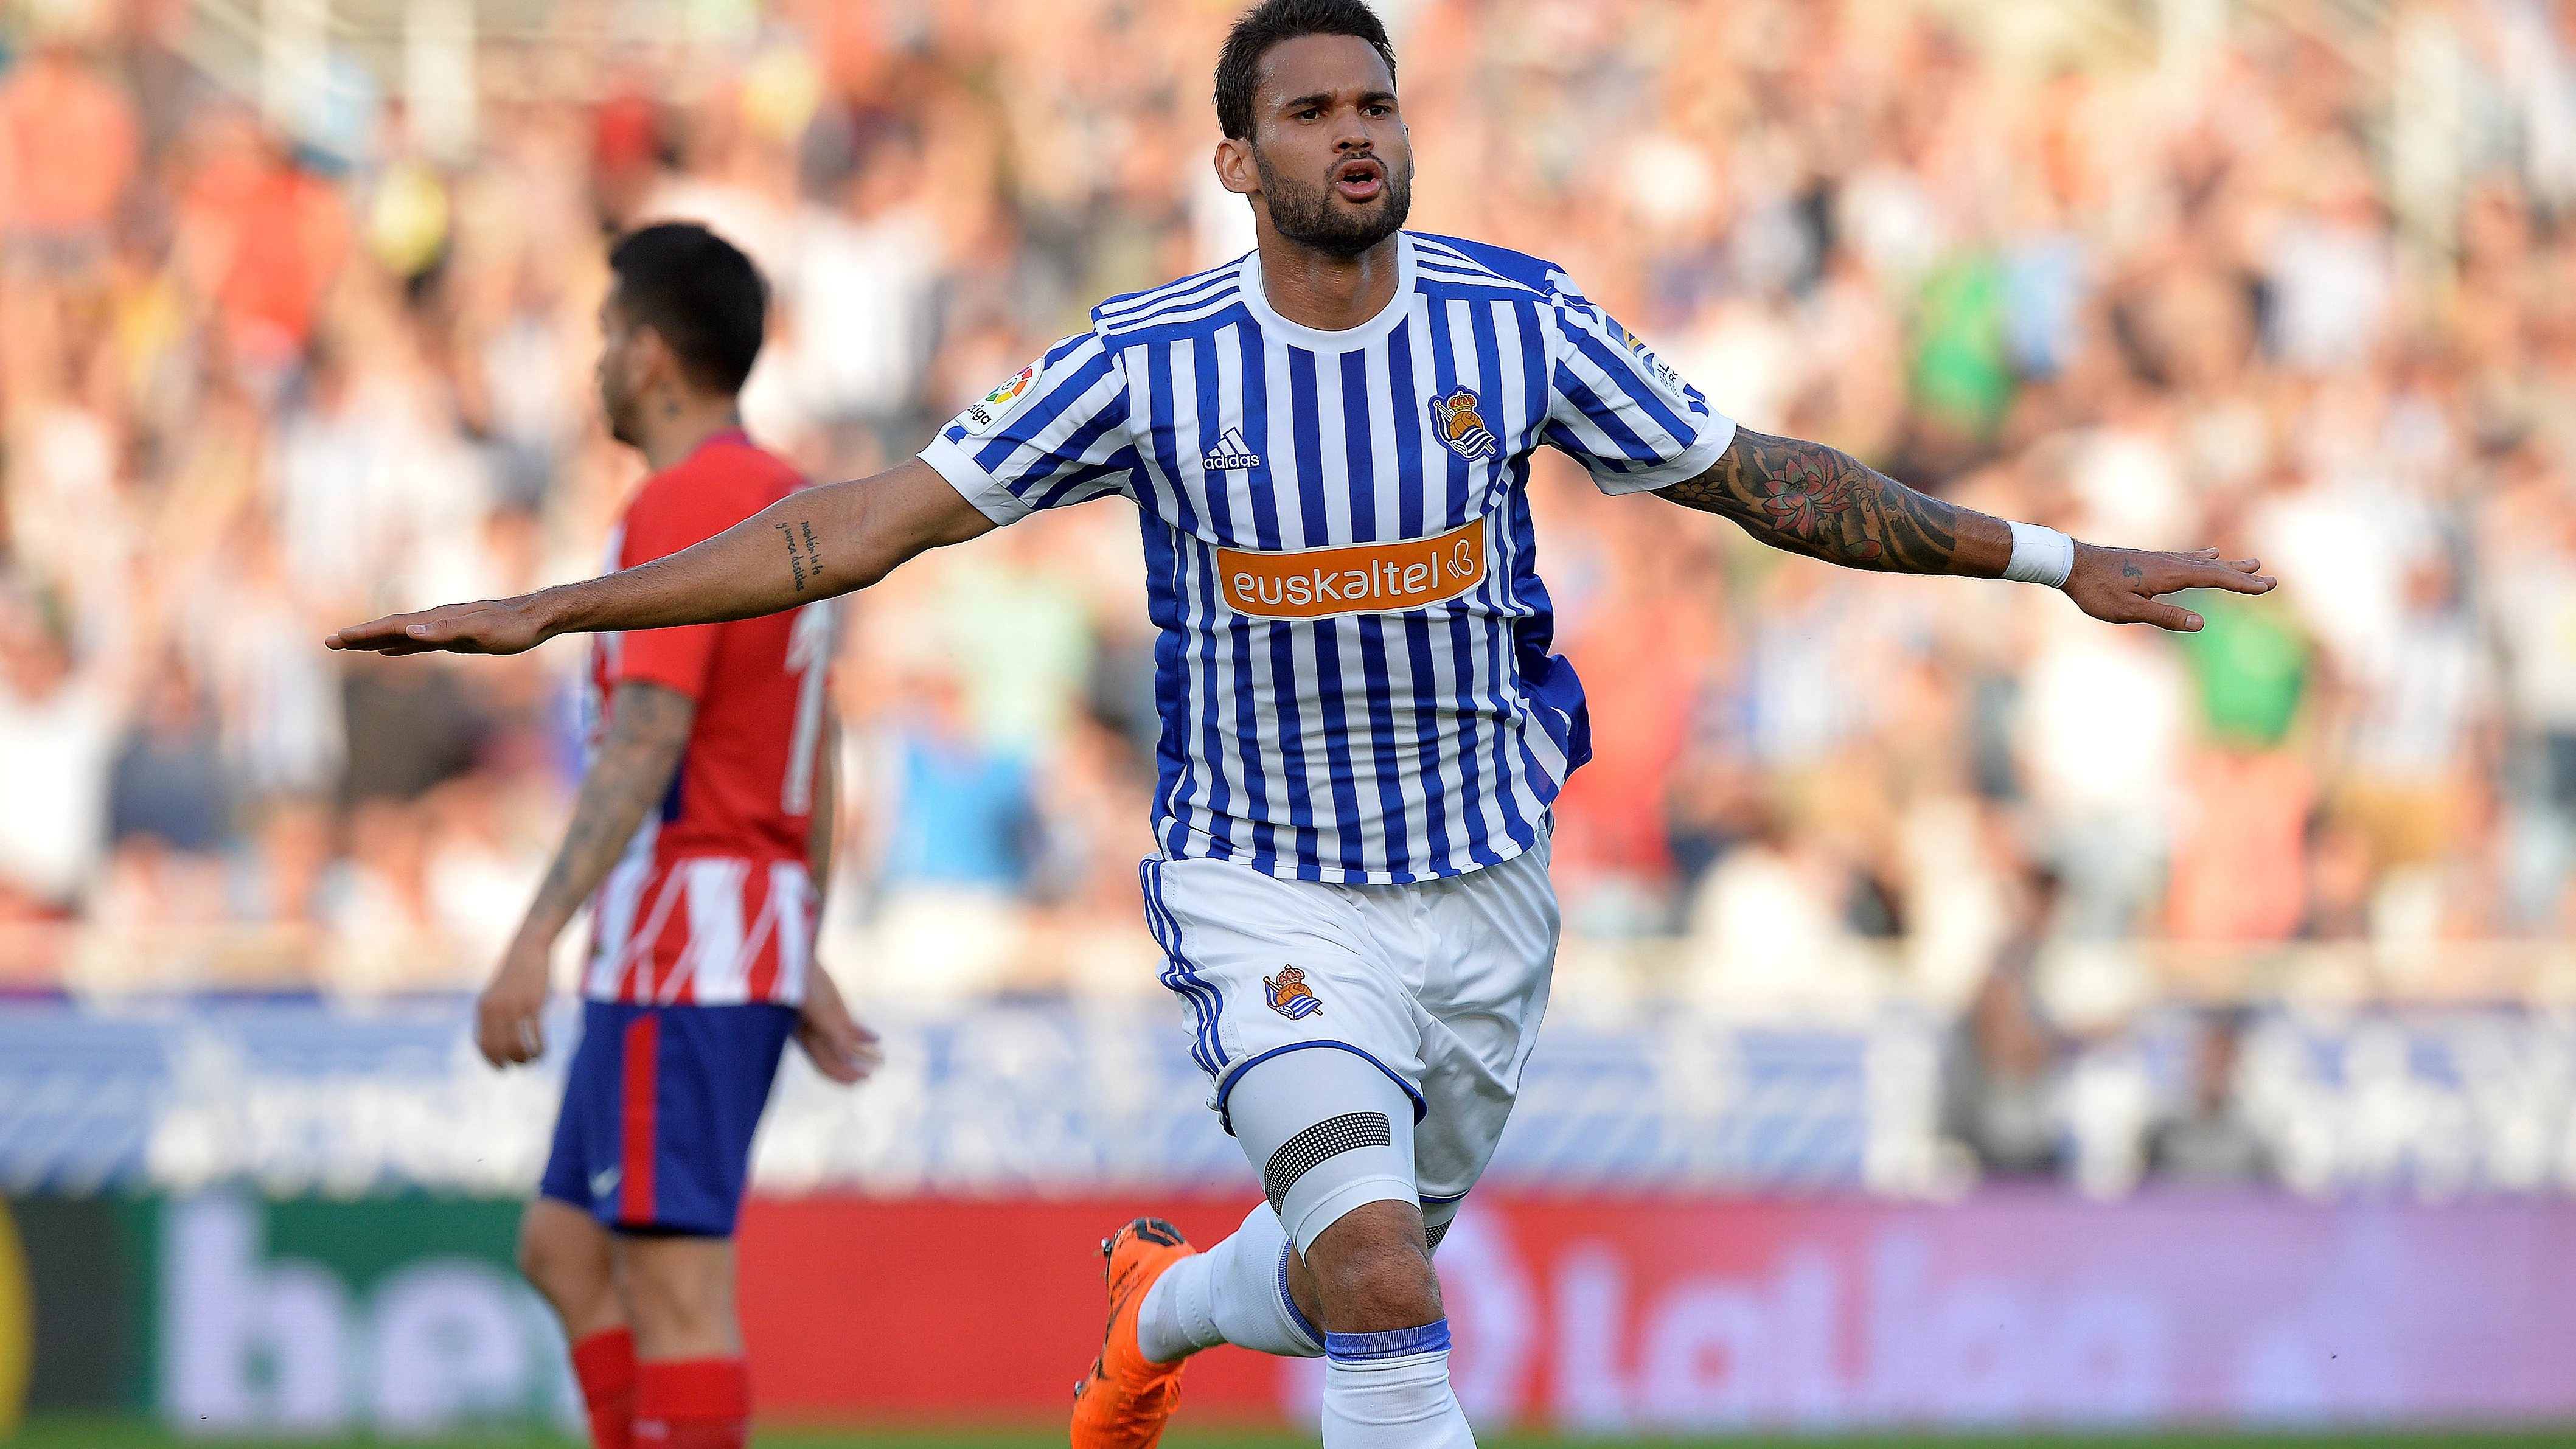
(1803, 498)
(1814, 500)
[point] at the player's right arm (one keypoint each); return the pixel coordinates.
(648, 728)
(813, 544)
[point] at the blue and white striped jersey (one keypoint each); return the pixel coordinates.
(1354, 669)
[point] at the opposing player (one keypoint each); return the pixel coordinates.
(1363, 726)
(702, 838)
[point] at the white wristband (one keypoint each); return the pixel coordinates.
(2040, 556)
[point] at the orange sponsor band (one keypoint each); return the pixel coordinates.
(1360, 578)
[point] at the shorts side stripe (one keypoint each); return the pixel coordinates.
(1178, 975)
(1211, 1000)
(642, 1077)
(1205, 1002)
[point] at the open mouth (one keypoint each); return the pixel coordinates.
(1359, 180)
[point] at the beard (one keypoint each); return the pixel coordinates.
(620, 413)
(1312, 216)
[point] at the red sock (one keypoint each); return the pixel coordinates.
(604, 1363)
(692, 1403)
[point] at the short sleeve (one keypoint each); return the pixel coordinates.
(663, 521)
(1621, 411)
(1054, 434)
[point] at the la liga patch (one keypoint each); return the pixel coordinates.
(993, 408)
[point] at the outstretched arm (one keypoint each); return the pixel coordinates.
(1811, 499)
(811, 545)
(648, 727)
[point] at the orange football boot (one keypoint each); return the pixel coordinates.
(1127, 1399)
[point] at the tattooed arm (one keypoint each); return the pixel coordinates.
(1815, 500)
(1811, 499)
(648, 727)
(811, 545)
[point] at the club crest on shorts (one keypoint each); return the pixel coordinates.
(1289, 994)
(1460, 420)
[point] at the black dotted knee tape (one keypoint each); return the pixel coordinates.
(1329, 1138)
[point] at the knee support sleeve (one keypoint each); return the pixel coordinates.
(1436, 1218)
(1327, 1131)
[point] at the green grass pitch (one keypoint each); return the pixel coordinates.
(137, 1433)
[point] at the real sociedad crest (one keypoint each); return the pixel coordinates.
(1459, 418)
(1289, 994)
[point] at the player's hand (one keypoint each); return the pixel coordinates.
(494, 626)
(2121, 585)
(842, 1047)
(509, 1017)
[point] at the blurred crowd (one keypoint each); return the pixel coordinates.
(2292, 280)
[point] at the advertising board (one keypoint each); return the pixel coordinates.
(1591, 1313)
(1601, 1313)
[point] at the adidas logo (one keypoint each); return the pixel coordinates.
(1232, 453)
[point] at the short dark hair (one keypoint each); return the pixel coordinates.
(700, 292)
(1238, 66)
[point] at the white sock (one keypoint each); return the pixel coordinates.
(1232, 1293)
(1391, 1391)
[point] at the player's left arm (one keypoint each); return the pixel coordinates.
(648, 729)
(840, 1045)
(1819, 501)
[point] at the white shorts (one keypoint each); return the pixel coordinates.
(1441, 984)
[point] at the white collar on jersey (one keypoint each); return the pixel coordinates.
(1256, 300)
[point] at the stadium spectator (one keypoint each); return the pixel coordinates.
(168, 784)
(2003, 1083)
(2111, 294)
(2239, 866)
(58, 729)
(259, 238)
(2209, 1142)
(67, 151)
(956, 836)
(861, 322)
